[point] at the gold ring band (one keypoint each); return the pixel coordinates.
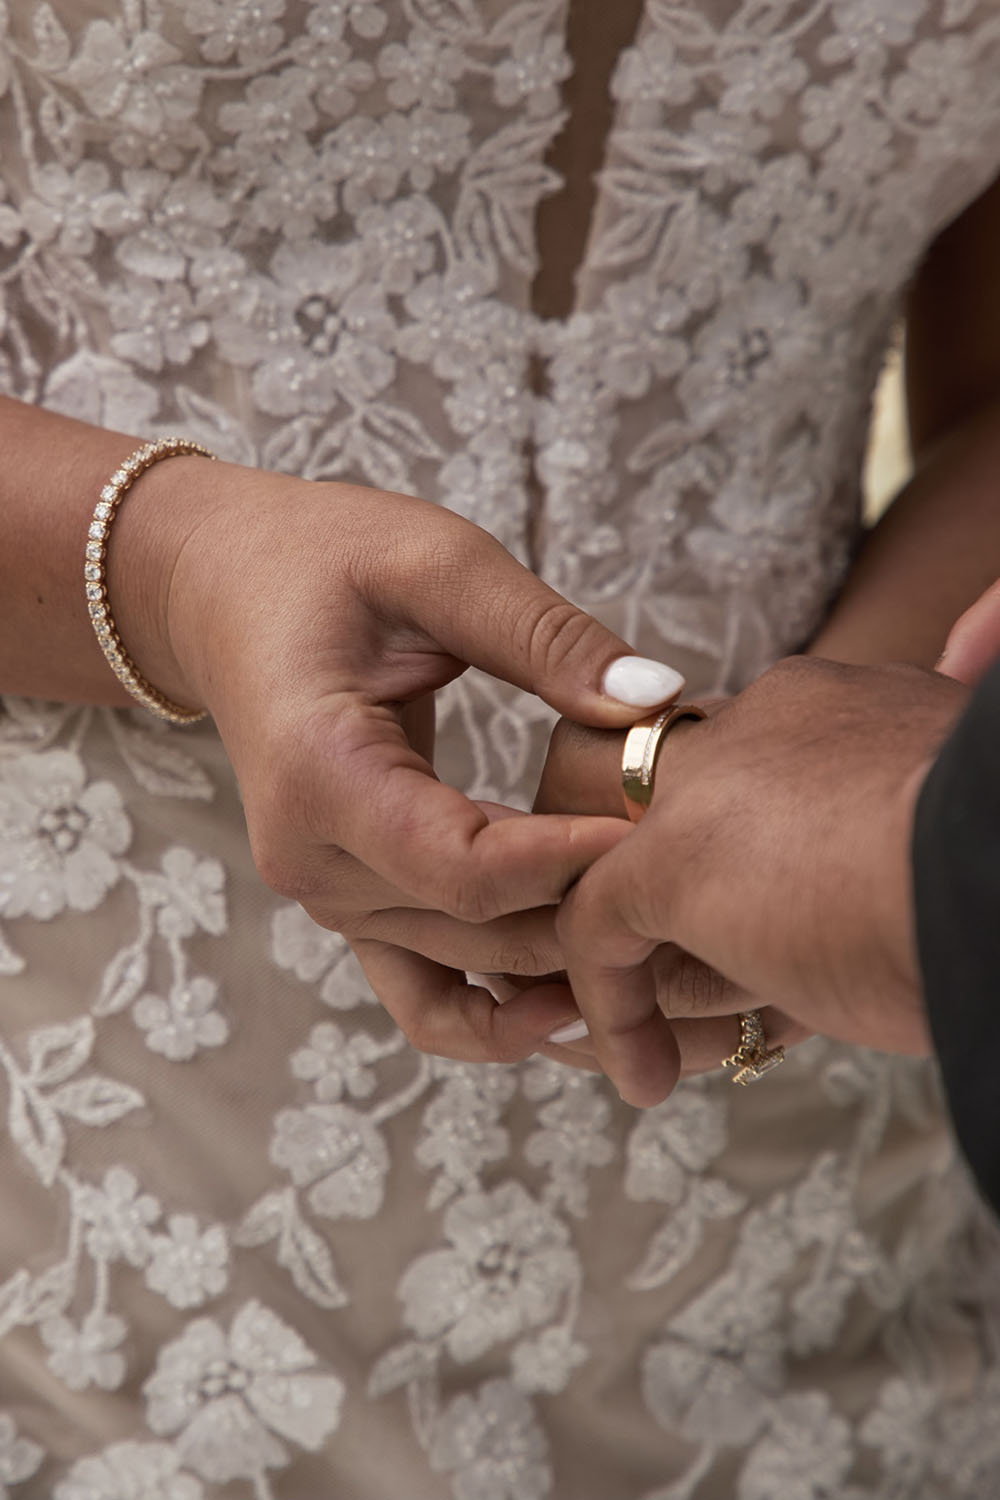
(642, 746)
(752, 1058)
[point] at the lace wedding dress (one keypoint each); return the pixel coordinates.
(251, 1244)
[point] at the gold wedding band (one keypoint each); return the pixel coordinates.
(642, 746)
(752, 1058)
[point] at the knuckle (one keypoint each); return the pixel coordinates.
(495, 1042)
(688, 987)
(334, 919)
(514, 957)
(417, 557)
(793, 672)
(285, 876)
(558, 631)
(355, 926)
(469, 899)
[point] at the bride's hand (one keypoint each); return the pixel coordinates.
(315, 622)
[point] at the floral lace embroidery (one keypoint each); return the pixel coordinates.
(231, 1398)
(19, 1458)
(303, 233)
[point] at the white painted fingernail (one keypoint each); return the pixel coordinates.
(501, 989)
(641, 682)
(575, 1031)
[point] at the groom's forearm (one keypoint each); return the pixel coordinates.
(933, 553)
(938, 546)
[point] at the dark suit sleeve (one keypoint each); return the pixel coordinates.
(956, 864)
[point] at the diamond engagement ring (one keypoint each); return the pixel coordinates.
(752, 1058)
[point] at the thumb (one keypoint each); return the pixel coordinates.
(973, 642)
(503, 619)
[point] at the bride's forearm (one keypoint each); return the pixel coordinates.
(52, 472)
(934, 552)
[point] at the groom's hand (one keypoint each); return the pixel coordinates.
(775, 856)
(582, 773)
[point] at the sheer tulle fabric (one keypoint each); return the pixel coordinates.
(253, 1245)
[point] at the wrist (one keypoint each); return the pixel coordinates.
(156, 521)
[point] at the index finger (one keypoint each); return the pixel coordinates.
(373, 795)
(604, 930)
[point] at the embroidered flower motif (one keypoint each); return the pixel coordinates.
(292, 192)
(363, 156)
(899, 1426)
(493, 1446)
(337, 1149)
(757, 340)
(315, 335)
(157, 324)
(315, 954)
(533, 72)
(428, 143)
(223, 285)
(640, 324)
(160, 223)
(187, 1020)
(276, 112)
(336, 76)
(456, 328)
(546, 1363)
(19, 1456)
(761, 80)
(671, 1141)
(509, 1269)
(721, 173)
(863, 146)
(462, 1130)
(192, 895)
(865, 27)
(422, 72)
(224, 1396)
(926, 87)
(240, 26)
(85, 1356)
(333, 1062)
(571, 1138)
(707, 1397)
(400, 239)
(118, 1217)
(188, 1266)
(823, 107)
(129, 1471)
(652, 74)
(493, 398)
(136, 82)
(106, 392)
(327, 21)
(64, 205)
(805, 1455)
(58, 836)
(966, 1451)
